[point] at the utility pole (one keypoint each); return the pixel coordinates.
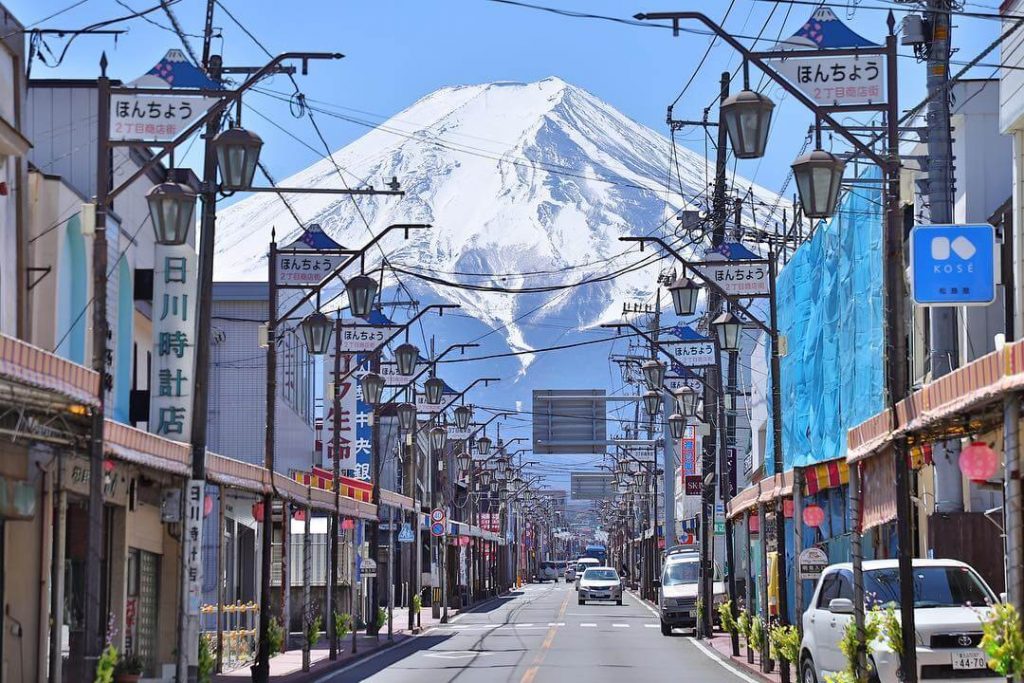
(333, 604)
(709, 454)
(727, 465)
(84, 656)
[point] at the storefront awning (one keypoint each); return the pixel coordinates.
(764, 491)
(36, 377)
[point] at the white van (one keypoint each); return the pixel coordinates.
(582, 565)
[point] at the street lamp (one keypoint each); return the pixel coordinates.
(406, 417)
(687, 399)
(373, 388)
(677, 425)
(748, 117)
(818, 177)
(728, 328)
(654, 374)
(406, 356)
(438, 438)
(501, 465)
(485, 477)
(172, 208)
(434, 387)
(483, 445)
(463, 414)
(684, 293)
(316, 330)
(361, 292)
(652, 402)
(238, 152)
(465, 461)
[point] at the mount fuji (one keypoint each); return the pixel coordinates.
(528, 187)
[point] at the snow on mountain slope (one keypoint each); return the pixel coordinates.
(516, 178)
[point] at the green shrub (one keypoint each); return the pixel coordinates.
(342, 624)
(756, 638)
(129, 664)
(382, 617)
(725, 617)
(313, 631)
(743, 624)
(840, 677)
(105, 665)
(1002, 640)
(890, 628)
(417, 603)
(786, 642)
(207, 662)
(275, 637)
(848, 643)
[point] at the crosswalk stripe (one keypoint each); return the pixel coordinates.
(588, 625)
(620, 625)
(650, 625)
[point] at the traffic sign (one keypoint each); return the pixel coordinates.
(812, 562)
(437, 515)
(368, 568)
(953, 265)
(405, 535)
(437, 529)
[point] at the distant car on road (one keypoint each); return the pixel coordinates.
(678, 590)
(600, 583)
(548, 571)
(950, 602)
(582, 565)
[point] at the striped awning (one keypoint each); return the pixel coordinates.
(826, 475)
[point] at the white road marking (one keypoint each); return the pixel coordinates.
(620, 625)
(554, 623)
(651, 625)
(457, 654)
(588, 625)
(707, 652)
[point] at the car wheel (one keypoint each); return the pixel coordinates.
(666, 630)
(807, 674)
(582, 601)
(619, 602)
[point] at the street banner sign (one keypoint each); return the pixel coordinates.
(456, 434)
(155, 118)
(835, 79)
(195, 494)
(392, 378)
(691, 354)
(744, 278)
(362, 338)
(953, 265)
(812, 562)
(305, 268)
(405, 535)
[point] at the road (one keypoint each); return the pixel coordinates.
(541, 635)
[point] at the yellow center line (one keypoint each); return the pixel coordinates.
(531, 673)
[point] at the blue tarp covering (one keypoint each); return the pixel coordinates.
(830, 312)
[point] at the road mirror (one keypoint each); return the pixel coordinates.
(840, 606)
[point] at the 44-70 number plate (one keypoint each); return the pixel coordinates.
(969, 659)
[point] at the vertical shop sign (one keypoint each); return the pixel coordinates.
(174, 324)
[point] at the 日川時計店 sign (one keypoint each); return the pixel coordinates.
(843, 79)
(154, 117)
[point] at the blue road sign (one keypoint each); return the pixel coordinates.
(405, 535)
(437, 528)
(953, 265)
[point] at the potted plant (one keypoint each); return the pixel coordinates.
(106, 665)
(129, 669)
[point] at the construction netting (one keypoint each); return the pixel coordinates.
(830, 315)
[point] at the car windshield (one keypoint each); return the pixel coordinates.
(600, 575)
(680, 572)
(582, 566)
(934, 586)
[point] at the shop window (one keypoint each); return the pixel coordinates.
(141, 607)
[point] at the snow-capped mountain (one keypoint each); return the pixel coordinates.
(527, 185)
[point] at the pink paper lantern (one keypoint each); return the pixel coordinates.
(978, 461)
(813, 516)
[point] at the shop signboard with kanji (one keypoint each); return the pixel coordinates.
(174, 323)
(154, 118)
(195, 496)
(305, 268)
(836, 80)
(354, 424)
(738, 278)
(362, 338)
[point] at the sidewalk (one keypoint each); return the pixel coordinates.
(287, 666)
(721, 645)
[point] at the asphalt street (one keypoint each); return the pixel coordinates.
(540, 635)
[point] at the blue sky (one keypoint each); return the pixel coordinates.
(399, 50)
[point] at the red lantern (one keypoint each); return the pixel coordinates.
(207, 505)
(787, 508)
(348, 524)
(108, 465)
(299, 515)
(813, 516)
(978, 461)
(257, 511)
(754, 525)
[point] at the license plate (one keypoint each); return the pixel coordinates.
(693, 613)
(969, 659)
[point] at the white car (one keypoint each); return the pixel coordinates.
(600, 583)
(582, 565)
(950, 600)
(678, 589)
